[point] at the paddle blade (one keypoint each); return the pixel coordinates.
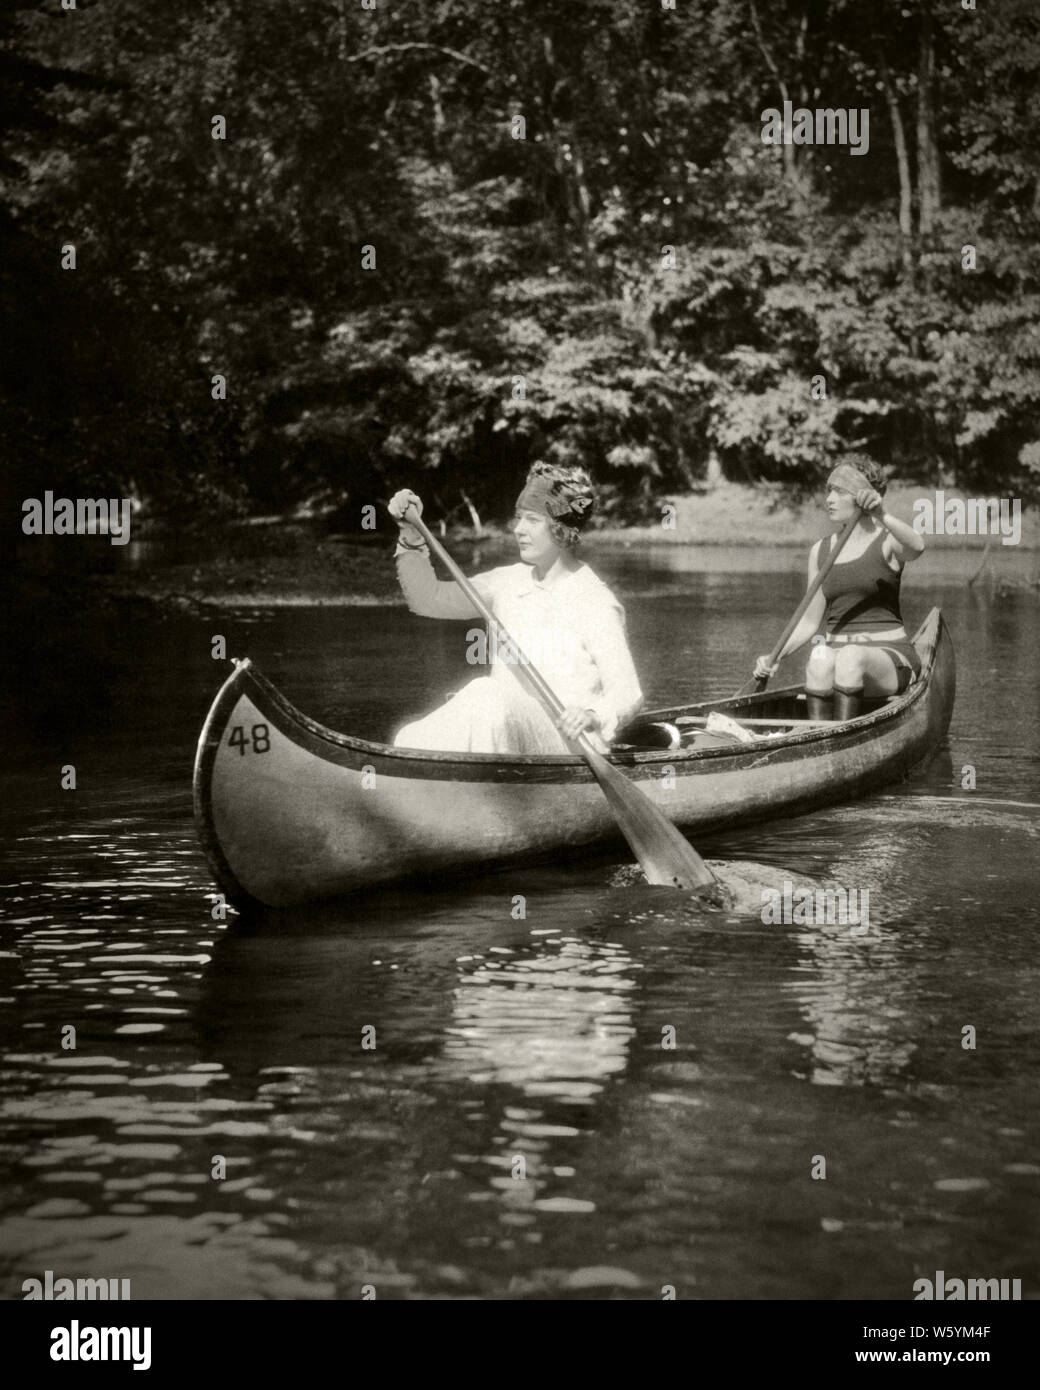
(665, 856)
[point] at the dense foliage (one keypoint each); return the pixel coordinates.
(524, 301)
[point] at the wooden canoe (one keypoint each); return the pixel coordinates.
(289, 811)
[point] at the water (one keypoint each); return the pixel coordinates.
(506, 1046)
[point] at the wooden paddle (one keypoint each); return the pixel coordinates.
(757, 683)
(664, 855)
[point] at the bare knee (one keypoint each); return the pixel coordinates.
(849, 668)
(819, 670)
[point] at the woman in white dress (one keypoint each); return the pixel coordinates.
(563, 619)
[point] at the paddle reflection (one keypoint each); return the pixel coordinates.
(543, 1012)
(552, 1018)
(493, 1049)
(858, 1000)
(551, 1021)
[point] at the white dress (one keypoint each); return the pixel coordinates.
(572, 631)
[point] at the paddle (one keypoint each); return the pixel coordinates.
(664, 855)
(758, 683)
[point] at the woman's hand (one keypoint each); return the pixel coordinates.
(398, 506)
(764, 668)
(574, 721)
(868, 500)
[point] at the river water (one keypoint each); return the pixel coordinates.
(522, 1129)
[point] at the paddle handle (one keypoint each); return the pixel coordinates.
(799, 613)
(544, 691)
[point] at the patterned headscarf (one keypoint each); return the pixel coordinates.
(852, 478)
(569, 503)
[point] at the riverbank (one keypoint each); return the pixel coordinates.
(734, 514)
(274, 562)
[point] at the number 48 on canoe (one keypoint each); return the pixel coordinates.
(259, 740)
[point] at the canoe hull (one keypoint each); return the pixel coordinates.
(290, 812)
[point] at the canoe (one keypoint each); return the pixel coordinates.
(289, 811)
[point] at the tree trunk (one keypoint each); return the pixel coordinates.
(474, 515)
(570, 171)
(906, 226)
(929, 193)
(438, 109)
(796, 172)
(583, 205)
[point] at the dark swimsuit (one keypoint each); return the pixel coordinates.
(863, 597)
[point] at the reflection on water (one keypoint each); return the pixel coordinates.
(623, 1090)
(552, 1020)
(857, 997)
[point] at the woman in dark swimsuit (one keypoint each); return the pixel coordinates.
(863, 650)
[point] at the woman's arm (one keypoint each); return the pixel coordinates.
(902, 540)
(427, 595)
(424, 593)
(810, 622)
(621, 695)
(813, 615)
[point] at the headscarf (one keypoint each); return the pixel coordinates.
(568, 503)
(852, 479)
